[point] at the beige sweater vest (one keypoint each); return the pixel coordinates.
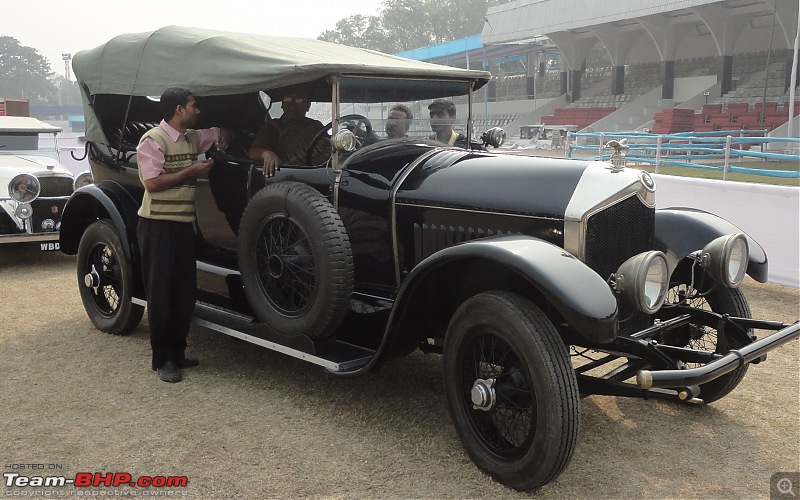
(176, 203)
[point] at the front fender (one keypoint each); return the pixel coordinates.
(516, 263)
(107, 200)
(681, 231)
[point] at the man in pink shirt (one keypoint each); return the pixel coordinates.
(167, 156)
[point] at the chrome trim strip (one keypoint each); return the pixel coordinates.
(28, 238)
(217, 270)
(482, 212)
(329, 365)
(393, 209)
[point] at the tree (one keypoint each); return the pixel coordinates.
(25, 73)
(403, 25)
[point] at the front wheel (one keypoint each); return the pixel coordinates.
(105, 280)
(511, 390)
(719, 299)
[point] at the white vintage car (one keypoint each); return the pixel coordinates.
(34, 186)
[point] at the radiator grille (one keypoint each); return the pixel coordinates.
(55, 186)
(618, 233)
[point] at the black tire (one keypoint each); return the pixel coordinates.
(107, 297)
(295, 260)
(527, 433)
(722, 300)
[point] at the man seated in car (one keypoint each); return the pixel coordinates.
(443, 119)
(398, 121)
(284, 141)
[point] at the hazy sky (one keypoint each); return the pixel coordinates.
(54, 27)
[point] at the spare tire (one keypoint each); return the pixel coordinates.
(295, 260)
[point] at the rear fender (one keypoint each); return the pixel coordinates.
(681, 231)
(541, 271)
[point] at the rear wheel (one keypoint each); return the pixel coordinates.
(105, 280)
(721, 300)
(511, 389)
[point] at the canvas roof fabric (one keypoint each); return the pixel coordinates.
(222, 63)
(25, 125)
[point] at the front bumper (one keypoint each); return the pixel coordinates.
(28, 238)
(647, 379)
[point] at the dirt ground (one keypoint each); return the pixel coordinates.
(253, 423)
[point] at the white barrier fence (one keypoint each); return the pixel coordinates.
(770, 214)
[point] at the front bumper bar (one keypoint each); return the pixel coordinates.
(28, 237)
(647, 379)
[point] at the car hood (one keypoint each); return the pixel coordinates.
(495, 183)
(38, 165)
(13, 164)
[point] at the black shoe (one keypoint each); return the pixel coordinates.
(170, 372)
(188, 363)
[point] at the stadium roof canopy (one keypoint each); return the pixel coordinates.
(718, 27)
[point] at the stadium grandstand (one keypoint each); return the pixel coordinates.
(633, 65)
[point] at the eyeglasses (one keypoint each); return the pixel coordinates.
(296, 100)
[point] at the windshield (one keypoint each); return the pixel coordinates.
(25, 142)
(408, 109)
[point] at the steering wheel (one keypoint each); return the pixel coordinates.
(357, 124)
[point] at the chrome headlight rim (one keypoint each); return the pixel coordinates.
(725, 259)
(344, 140)
(83, 179)
(24, 188)
(644, 280)
(23, 211)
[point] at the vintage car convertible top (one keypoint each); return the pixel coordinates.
(539, 280)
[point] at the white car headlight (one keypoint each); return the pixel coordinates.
(344, 140)
(24, 188)
(643, 280)
(23, 211)
(725, 259)
(83, 179)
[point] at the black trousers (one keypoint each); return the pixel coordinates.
(170, 279)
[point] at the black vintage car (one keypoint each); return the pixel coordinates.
(539, 280)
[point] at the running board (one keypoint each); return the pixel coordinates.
(333, 355)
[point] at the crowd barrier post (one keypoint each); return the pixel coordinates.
(658, 153)
(727, 157)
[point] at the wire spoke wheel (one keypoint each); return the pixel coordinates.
(286, 266)
(295, 260)
(511, 390)
(510, 423)
(707, 296)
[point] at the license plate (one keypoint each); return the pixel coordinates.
(50, 246)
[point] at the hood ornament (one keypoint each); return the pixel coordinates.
(618, 156)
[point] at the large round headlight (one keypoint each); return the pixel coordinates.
(24, 188)
(494, 137)
(643, 280)
(83, 179)
(344, 140)
(725, 259)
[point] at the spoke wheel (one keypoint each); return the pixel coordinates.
(295, 260)
(105, 280)
(718, 299)
(511, 389)
(286, 266)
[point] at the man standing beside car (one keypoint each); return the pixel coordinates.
(169, 168)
